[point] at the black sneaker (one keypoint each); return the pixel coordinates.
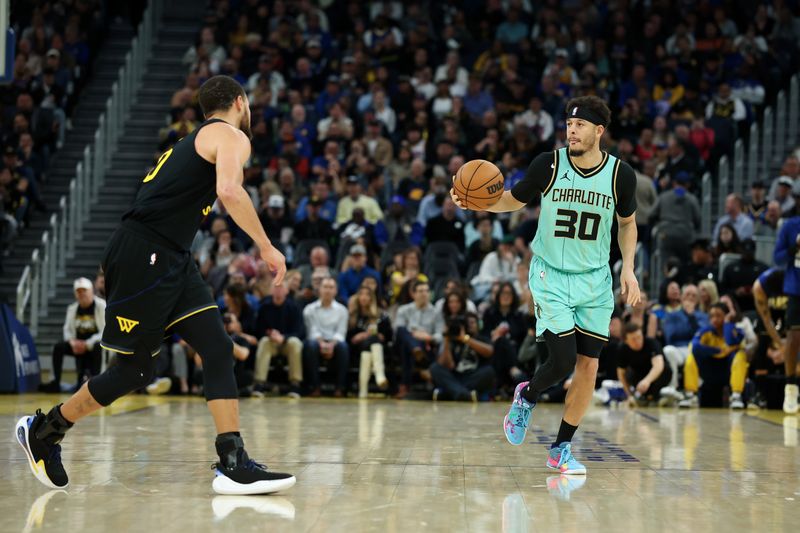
(250, 478)
(237, 474)
(44, 459)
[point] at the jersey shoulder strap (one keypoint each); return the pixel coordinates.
(554, 166)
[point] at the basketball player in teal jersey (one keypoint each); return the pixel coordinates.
(583, 189)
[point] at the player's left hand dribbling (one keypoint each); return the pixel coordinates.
(276, 263)
(629, 287)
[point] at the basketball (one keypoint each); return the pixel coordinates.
(478, 184)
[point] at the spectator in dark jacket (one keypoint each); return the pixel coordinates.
(350, 280)
(702, 265)
(506, 326)
(680, 160)
(485, 244)
(446, 227)
(314, 226)
(739, 276)
(458, 373)
(280, 325)
(640, 365)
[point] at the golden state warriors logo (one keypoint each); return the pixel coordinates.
(126, 324)
(206, 210)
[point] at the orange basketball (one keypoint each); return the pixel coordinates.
(478, 184)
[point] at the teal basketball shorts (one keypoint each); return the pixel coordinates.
(565, 302)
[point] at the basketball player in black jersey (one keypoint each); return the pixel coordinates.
(154, 287)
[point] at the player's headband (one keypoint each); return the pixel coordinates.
(583, 112)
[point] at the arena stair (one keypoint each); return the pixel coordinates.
(133, 157)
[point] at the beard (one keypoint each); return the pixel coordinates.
(582, 148)
(576, 152)
(244, 125)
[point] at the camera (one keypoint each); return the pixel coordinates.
(455, 325)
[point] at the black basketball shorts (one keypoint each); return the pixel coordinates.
(151, 285)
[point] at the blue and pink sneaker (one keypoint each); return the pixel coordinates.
(561, 459)
(515, 424)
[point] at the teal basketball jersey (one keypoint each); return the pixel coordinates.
(574, 233)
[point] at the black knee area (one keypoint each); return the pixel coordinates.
(590, 344)
(563, 352)
(219, 379)
(206, 334)
(126, 374)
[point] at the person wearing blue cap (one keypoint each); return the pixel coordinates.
(676, 215)
(398, 221)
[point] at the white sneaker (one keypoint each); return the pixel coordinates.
(159, 386)
(601, 396)
(790, 406)
(736, 401)
(670, 392)
(689, 400)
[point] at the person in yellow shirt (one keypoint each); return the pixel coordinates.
(716, 355)
(354, 199)
(667, 92)
(185, 124)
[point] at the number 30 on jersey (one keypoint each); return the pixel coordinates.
(587, 227)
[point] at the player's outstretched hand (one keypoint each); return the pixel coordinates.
(455, 198)
(629, 287)
(276, 263)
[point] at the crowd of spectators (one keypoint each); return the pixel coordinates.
(361, 113)
(56, 41)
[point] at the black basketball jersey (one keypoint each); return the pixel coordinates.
(178, 192)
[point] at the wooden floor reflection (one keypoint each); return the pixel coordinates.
(381, 465)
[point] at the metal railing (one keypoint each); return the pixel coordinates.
(769, 139)
(65, 228)
(656, 273)
(768, 142)
(752, 154)
(705, 204)
(723, 180)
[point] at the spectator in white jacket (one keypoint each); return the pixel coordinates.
(326, 331)
(83, 329)
(207, 47)
(500, 265)
(536, 119)
(726, 105)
